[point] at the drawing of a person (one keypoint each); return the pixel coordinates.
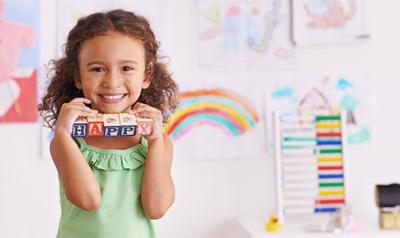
(234, 30)
(13, 37)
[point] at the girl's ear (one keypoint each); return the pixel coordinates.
(78, 84)
(148, 74)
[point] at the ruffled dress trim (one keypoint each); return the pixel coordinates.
(110, 159)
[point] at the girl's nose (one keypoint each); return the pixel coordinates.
(112, 79)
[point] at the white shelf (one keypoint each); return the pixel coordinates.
(254, 228)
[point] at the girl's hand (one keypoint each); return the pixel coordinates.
(144, 110)
(70, 111)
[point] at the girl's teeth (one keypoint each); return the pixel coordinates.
(113, 97)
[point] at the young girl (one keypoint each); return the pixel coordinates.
(111, 186)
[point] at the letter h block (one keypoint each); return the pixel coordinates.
(80, 127)
(112, 125)
(95, 125)
(128, 124)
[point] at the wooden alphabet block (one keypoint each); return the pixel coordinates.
(144, 126)
(112, 125)
(95, 125)
(128, 124)
(80, 127)
(122, 124)
(389, 219)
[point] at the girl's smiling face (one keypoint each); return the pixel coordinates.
(112, 71)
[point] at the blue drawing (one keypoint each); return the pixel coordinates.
(318, 6)
(363, 135)
(343, 84)
(327, 94)
(241, 31)
(283, 92)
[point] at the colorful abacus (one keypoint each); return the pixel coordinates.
(122, 124)
(309, 154)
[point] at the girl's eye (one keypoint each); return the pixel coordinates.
(126, 68)
(97, 69)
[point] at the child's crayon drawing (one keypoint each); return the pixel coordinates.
(324, 95)
(326, 14)
(217, 121)
(69, 11)
(19, 59)
(215, 107)
(244, 34)
(20, 97)
(325, 21)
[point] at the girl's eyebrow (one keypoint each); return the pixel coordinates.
(127, 61)
(94, 62)
(120, 62)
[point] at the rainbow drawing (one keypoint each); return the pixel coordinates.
(219, 108)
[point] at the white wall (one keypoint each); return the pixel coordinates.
(211, 194)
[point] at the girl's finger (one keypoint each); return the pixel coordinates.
(145, 107)
(140, 106)
(84, 105)
(148, 114)
(139, 110)
(137, 105)
(81, 100)
(81, 107)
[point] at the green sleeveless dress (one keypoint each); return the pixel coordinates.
(120, 215)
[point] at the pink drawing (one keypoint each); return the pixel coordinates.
(21, 92)
(283, 53)
(314, 101)
(23, 95)
(233, 11)
(13, 37)
(330, 13)
(9, 93)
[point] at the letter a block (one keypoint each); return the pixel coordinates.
(144, 126)
(112, 126)
(95, 125)
(80, 127)
(128, 124)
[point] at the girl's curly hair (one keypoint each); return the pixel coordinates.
(161, 93)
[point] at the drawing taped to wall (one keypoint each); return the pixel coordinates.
(69, 11)
(215, 107)
(217, 122)
(243, 34)
(324, 95)
(328, 21)
(19, 60)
